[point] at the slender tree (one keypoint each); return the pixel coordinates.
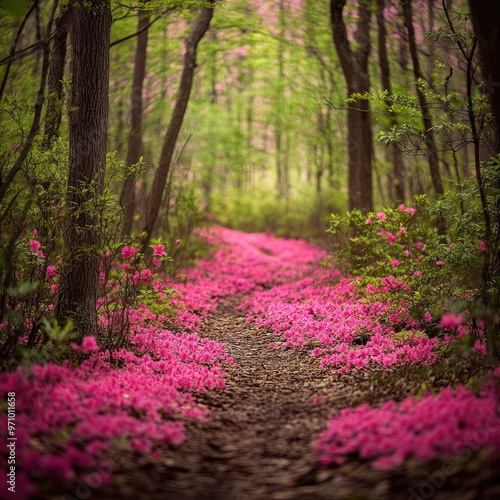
(87, 158)
(135, 135)
(354, 64)
(162, 173)
(397, 178)
(53, 113)
(430, 141)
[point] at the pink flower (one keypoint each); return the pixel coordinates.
(369, 221)
(16, 146)
(417, 273)
(159, 251)
(89, 344)
(54, 287)
(156, 262)
(411, 210)
(34, 245)
(419, 245)
(407, 253)
(440, 263)
(482, 246)
(35, 233)
(177, 242)
(146, 274)
(158, 285)
(401, 207)
(427, 316)
(128, 252)
(450, 321)
(395, 263)
(50, 273)
(381, 216)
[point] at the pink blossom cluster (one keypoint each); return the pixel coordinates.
(436, 425)
(242, 264)
(350, 333)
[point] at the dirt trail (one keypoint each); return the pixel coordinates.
(259, 441)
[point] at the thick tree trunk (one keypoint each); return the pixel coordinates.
(430, 141)
(135, 135)
(397, 182)
(355, 68)
(53, 114)
(199, 29)
(87, 158)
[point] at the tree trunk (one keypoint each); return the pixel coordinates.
(199, 29)
(87, 158)
(397, 183)
(355, 68)
(135, 135)
(53, 114)
(426, 114)
(485, 20)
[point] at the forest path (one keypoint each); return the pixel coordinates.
(258, 443)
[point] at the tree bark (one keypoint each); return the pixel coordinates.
(53, 113)
(355, 68)
(430, 141)
(87, 158)
(199, 29)
(485, 21)
(135, 135)
(397, 182)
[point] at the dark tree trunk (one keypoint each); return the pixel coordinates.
(430, 141)
(53, 114)
(485, 20)
(135, 135)
(87, 158)
(199, 29)
(355, 68)
(397, 182)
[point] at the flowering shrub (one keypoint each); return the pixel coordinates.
(131, 291)
(440, 273)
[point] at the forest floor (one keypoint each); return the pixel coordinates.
(259, 440)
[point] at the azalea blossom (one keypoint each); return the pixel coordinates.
(50, 272)
(450, 321)
(34, 245)
(369, 221)
(89, 344)
(128, 252)
(395, 263)
(440, 263)
(159, 251)
(482, 246)
(177, 242)
(381, 216)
